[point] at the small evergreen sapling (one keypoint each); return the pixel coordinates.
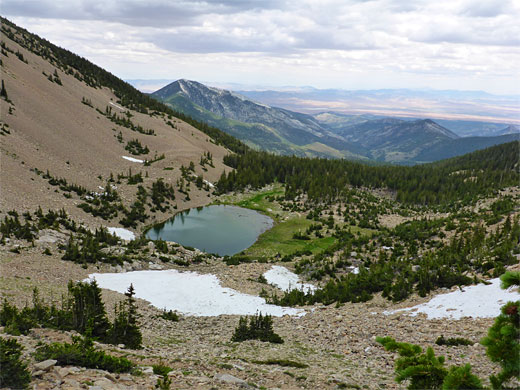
(3, 92)
(13, 371)
(125, 329)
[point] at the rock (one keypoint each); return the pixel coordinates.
(126, 378)
(147, 370)
(38, 373)
(46, 365)
(51, 236)
(110, 377)
(62, 371)
(230, 379)
(337, 378)
(70, 384)
(154, 266)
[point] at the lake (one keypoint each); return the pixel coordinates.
(220, 229)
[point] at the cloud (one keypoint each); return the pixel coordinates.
(377, 40)
(151, 13)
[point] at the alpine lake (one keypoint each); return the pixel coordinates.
(219, 229)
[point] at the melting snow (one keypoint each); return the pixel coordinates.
(190, 293)
(116, 106)
(132, 159)
(473, 301)
(122, 233)
(286, 280)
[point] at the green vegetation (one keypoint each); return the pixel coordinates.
(82, 310)
(135, 147)
(282, 362)
(13, 370)
(260, 328)
(3, 92)
(280, 240)
(82, 353)
(399, 272)
(164, 382)
(502, 341)
(425, 370)
(170, 315)
(453, 341)
(125, 329)
(460, 179)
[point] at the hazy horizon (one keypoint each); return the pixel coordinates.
(353, 44)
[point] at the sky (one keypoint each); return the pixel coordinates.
(347, 44)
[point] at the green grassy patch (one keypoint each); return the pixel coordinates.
(280, 240)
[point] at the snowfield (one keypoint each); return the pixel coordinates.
(286, 280)
(190, 293)
(480, 301)
(133, 159)
(124, 234)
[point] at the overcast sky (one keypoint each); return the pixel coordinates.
(441, 44)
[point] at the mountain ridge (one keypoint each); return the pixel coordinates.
(279, 130)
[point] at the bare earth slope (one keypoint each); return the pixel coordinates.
(51, 129)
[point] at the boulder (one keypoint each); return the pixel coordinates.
(46, 365)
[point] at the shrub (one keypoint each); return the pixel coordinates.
(170, 315)
(82, 353)
(159, 369)
(424, 370)
(453, 341)
(259, 328)
(461, 378)
(13, 372)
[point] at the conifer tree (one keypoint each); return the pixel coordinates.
(125, 329)
(3, 91)
(502, 342)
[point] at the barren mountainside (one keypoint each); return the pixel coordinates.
(56, 122)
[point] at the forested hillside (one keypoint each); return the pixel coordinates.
(459, 179)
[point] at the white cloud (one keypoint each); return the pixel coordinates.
(325, 43)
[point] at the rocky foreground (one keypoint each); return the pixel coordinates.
(329, 347)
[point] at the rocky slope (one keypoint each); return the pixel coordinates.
(63, 128)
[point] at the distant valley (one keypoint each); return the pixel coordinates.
(328, 134)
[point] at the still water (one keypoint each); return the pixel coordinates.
(220, 229)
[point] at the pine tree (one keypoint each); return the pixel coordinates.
(125, 329)
(3, 91)
(88, 309)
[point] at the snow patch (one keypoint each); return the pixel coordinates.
(124, 234)
(190, 293)
(116, 106)
(286, 280)
(133, 159)
(480, 301)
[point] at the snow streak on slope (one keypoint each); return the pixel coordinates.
(286, 280)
